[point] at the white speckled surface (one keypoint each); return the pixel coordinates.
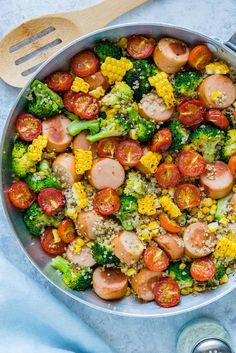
(131, 335)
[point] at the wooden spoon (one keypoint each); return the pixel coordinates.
(26, 47)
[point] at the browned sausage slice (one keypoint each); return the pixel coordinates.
(217, 180)
(170, 55)
(81, 142)
(127, 247)
(217, 91)
(172, 244)
(198, 241)
(153, 107)
(56, 128)
(86, 223)
(97, 80)
(109, 283)
(142, 283)
(64, 168)
(106, 173)
(83, 259)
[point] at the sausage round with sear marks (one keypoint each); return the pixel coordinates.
(152, 107)
(81, 142)
(143, 282)
(83, 258)
(172, 244)
(64, 167)
(86, 223)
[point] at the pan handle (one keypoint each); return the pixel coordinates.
(231, 43)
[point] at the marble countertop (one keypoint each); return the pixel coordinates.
(131, 335)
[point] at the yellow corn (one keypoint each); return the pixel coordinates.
(225, 248)
(35, 150)
(71, 213)
(79, 85)
(56, 237)
(122, 43)
(83, 160)
(186, 291)
(150, 161)
(128, 292)
(224, 221)
(182, 266)
(224, 279)
(90, 244)
(79, 243)
(213, 227)
(146, 205)
(169, 206)
(80, 195)
(98, 92)
(164, 88)
(217, 68)
(168, 159)
(216, 96)
(115, 69)
(234, 188)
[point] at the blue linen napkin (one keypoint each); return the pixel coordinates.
(33, 321)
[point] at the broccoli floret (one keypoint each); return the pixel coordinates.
(135, 184)
(128, 205)
(20, 163)
(120, 94)
(222, 206)
(182, 220)
(117, 126)
(186, 82)
(142, 129)
(137, 78)
(229, 147)
(182, 276)
(179, 135)
(45, 102)
(105, 48)
(220, 272)
(36, 220)
(206, 139)
(103, 255)
(42, 179)
(76, 126)
(73, 278)
(70, 115)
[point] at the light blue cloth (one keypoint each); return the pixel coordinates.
(33, 321)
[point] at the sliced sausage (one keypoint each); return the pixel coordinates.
(81, 142)
(143, 282)
(83, 259)
(198, 241)
(64, 167)
(109, 283)
(97, 80)
(86, 222)
(172, 244)
(106, 173)
(170, 55)
(153, 107)
(225, 91)
(217, 180)
(56, 128)
(233, 202)
(127, 247)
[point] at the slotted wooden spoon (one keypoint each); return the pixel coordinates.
(26, 47)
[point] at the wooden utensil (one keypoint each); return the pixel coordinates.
(26, 47)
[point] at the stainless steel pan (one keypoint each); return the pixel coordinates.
(128, 306)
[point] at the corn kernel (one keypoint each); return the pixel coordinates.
(78, 245)
(224, 221)
(213, 227)
(234, 188)
(150, 161)
(205, 210)
(164, 88)
(216, 95)
(168, 159)
(122, 42)
(182, 266)
(90, 244)
(128, 292)
(79, 85)
(169, 206)
(80, 195)
(97, 92)
(146, 205)
(224, 279)
(83, 161)
(56, 237)
(153, 225)
(143, 226)
(210, 218)
(115, 69)
(218, 68)
(186, 291)
(131, 272)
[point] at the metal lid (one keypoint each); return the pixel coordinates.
(212, 345)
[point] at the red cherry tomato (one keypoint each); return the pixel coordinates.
(106, 201)
(107, 147)
(129, 153)
(218, 118)
(167, 175)
(28, 127)
(191, 112)
(66, 231)
(199, 57)
(156, 259)
(187, 196)
(68, 100)
(191, 163)
(169, 224)
(167, 292)
(161, 141)
(203, 269)
(49, 245)
(20, 194)
(140, 47)
(51, 200)
(59, 81)
(85, 106)
(85, 63)
(232, 164)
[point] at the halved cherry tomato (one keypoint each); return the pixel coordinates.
(191, 112)
(85, 106)
(191, 163)
(161, 141)
(234, 114)
(166, 292)
(107, 147)
(20, 194)
(169, 224)
(106, 201)
(156, 259)
(85, 63)
(28, 127)
(232, 164)
(203, 269)
(187, 196)
(51, 200)
(129, 153)
(49, 245)
(218, 118)
(59, 81)
(167, 175)
(66, 231)
(140, 47)
(68, 100)
(199, 57)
